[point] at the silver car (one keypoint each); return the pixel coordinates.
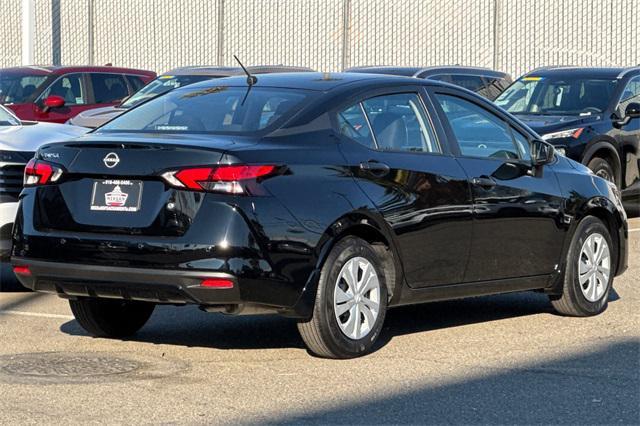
(18, 142)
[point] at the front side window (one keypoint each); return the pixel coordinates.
(557, 95)
(478, 131)
(400, 123)
(108, 88)
(69, 87)
(19, 88)
(631, 93)
(210, 109)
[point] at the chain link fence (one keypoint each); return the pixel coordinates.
(329, 35)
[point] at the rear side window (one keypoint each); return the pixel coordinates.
(68, 87)
(478, 131)
(108, 88)
(494, 87)
(211, 109)
(474, 83)
(135, 82)
(400, 123)
(352, 123)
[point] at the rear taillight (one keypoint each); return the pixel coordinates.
(21, 270)
(38, 172)
(226, 178)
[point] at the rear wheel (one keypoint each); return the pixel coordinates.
(603, 168)
(351, 302)
(111, 318)
(589, 271)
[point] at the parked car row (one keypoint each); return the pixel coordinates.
(324, 197)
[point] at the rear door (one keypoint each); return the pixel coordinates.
(400, 160)
(518, 230)
(107, 89)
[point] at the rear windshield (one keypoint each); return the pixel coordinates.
(161, 85)
(16, 88)
(220, 109)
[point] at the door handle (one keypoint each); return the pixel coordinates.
(484, 182)
(375, 167)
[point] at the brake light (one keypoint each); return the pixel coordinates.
(226, 178)
(38, 172)
(216, 283)
(21, 270)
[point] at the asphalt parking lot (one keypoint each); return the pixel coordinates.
(500, 359)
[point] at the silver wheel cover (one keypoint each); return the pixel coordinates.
(356, 298)
(594, 267)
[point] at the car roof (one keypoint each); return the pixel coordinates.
(316, 81)
(63, 69)
(214, 71)
(424, 72)
(595, 72)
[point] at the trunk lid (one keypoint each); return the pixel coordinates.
(116, 187)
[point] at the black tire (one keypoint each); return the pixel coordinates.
(573, 302)
(604, 169)
(111, 318)
(321, 333)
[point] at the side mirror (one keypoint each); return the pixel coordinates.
(632, 110)
(541, 153)
(53, 101)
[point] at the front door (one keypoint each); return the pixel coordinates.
(70, 87)
(517, 227)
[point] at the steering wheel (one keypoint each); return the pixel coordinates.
(593, 109)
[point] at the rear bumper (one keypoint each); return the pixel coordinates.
(159, 286)
(178, 287)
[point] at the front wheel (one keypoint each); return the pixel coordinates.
(589, 271)
(604, 169)
(351, 302)
(111, 318)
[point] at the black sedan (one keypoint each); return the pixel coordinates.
(328, 198)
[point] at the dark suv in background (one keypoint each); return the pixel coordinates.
(57, 93)
(483, 81)
(168, 81)
(591, 115)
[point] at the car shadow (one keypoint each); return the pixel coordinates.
(594, 386)
(189, 326)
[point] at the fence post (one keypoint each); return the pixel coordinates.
(497, 27)
(56, 45)
(220, 25)
(90, 30)
(28, 31)
(346, 19)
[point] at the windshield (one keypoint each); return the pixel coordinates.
(217, 109)
(7, 118)
(557, 96)
(18, 88)
(161, 85)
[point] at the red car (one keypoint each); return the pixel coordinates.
(58, 93)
